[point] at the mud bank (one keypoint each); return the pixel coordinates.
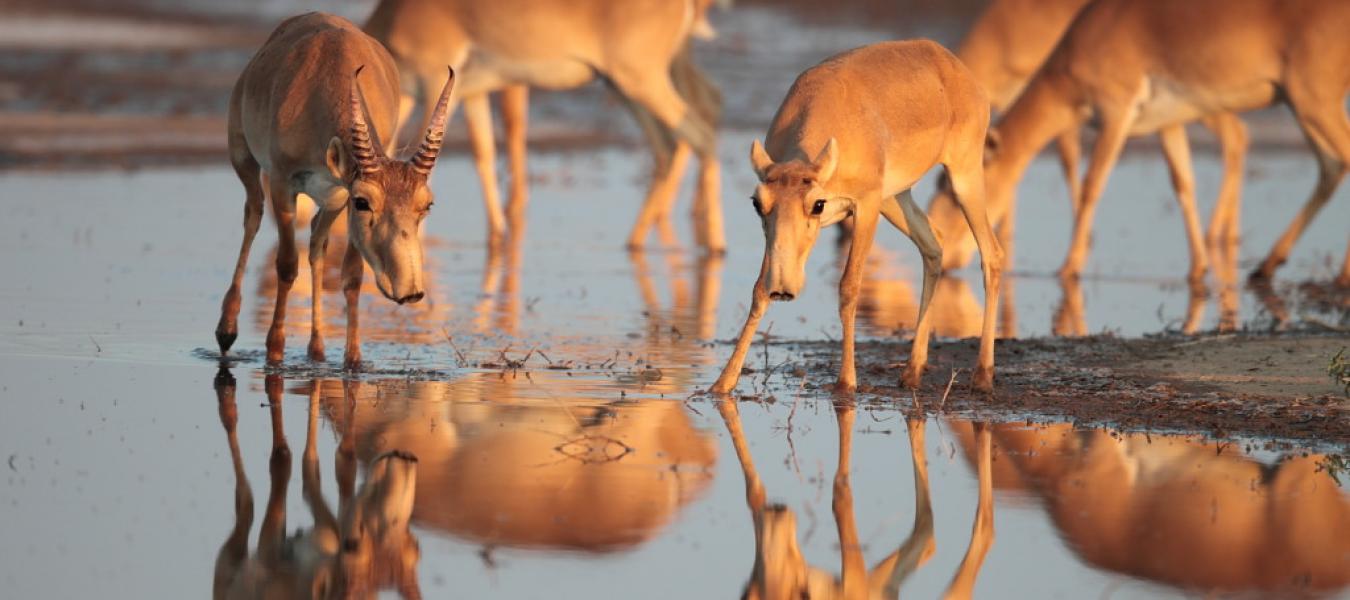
(1265, 386)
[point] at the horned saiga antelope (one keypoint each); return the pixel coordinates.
(312, 114)
(853, 135)
(638, 47)
(1139, 66)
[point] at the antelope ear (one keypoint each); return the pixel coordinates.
(337, 159)
(759, 159)
(827, 160)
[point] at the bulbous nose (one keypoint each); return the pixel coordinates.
(410, 298)
(782, 296)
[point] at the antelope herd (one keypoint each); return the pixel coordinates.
(325, 106)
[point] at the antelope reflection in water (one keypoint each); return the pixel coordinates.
(1180, 512)
(504, 462)
(367, 546)
(888, 302)
(781, 572)
(1069, 318)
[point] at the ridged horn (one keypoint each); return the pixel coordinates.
(425, 157)
(364, 150)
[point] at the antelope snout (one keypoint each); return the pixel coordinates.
(412, 298)
(780, 296)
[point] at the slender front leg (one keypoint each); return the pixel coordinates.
(708, 226)
(1232, 134)
(478, 116)
(759, 302)
(288, 260)
(227, 329)
(318, 250)
(352, 272)
(850, 287)
(1115, 129)
(914, 223)
(1177, 150)
(968, 185)
(514, 102)
(1070, 150)
(660, 197)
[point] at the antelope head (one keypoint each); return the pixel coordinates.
(387, 198)
(794, 203)
(377, 548)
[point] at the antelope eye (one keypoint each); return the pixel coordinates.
(759, 208)
(818, 208)
(361, 203)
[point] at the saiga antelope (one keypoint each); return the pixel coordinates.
(507, 44)
(300, 122)
(1139, 66)
(1005, 47)
(853, 135)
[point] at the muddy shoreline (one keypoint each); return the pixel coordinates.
(1259, 386)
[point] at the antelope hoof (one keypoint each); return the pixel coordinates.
(912, 376)
(983, 381)
(276, 345)
(845, 387)
(226, 339)
(1264, 272)
(316, 349)
(722, 387)
(1343, 281)
(352, 361)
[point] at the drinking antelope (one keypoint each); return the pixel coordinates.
(635, 46)
(1140, 66)
(853, 135)
(1004, 49)
(300, 122)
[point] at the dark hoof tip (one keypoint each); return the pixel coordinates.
(226, 339)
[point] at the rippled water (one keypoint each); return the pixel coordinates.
(589, 472)
(547, 390)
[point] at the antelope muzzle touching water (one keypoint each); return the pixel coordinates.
(853, 135)
(312, 114)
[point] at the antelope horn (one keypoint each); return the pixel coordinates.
(425, 157)
(364, 150)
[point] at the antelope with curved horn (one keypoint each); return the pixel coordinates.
(1152, 65)
(853, 135)
(301, 120)
(638, 47)
(1004, 49)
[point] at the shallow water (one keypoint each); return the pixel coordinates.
(597, 478)
(548, 390)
